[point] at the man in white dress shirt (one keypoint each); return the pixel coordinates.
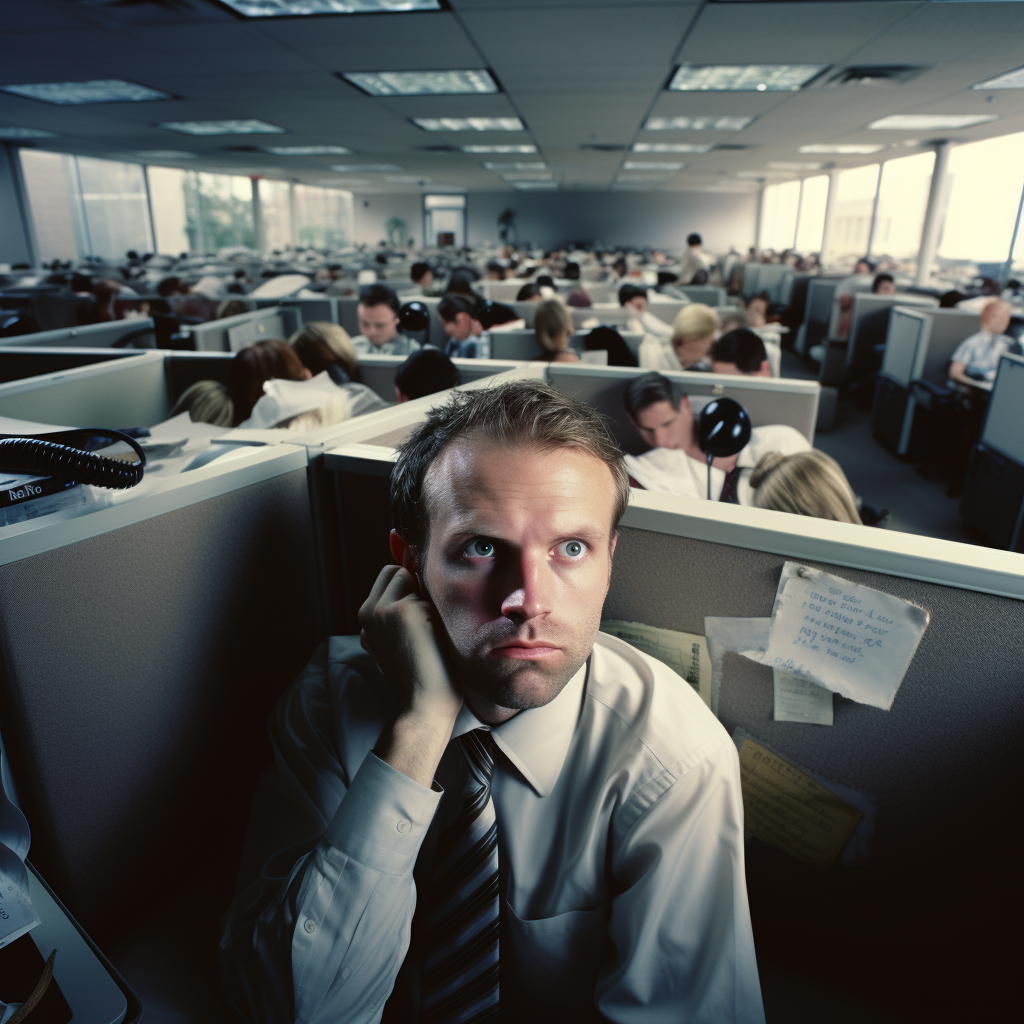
(694, 259)
(618, 889)
(664, 418)
(977, 357)
(377, 312)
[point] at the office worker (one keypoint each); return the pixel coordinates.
(552, 323)
(425, 373)
(883, 284)
(694, 260)
(806, 484)
(977, 357)
(496, 783)
(423, 275)
(459, 316)
(693, 331)
(740, 351)
(633, 299)
(664, 418)
(377, 312)
(323, 346)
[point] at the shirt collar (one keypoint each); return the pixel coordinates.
(537, 740)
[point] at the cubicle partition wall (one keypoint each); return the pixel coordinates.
(817, 314)
(325, 307)
(919, 345)
(767, 400)
(521, 346)
(236, 332)
(19, 362)
(706, 294)
(378, 372)
(914, 928)
(138, 333)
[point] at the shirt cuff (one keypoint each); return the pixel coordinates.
(383, 817)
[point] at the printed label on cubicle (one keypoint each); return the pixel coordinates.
(853, 640)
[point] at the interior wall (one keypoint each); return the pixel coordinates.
(14, 244)
(370, 213)
(658, 219)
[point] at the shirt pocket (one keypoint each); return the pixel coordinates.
(554, 962)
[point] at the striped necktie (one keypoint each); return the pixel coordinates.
(460, 974)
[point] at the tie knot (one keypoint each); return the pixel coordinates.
(478, 748)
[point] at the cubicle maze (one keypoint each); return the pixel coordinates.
(138, 333)
(906, 922)
(17, 363)
(232, 333)
(767, 400)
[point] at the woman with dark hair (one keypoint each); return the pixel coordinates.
(252, 367)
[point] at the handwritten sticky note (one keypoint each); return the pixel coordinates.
(16, 913)
(854, 640)
(786, 808)
(685, 653)
(799, 700)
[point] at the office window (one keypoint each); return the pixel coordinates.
(778, 215)
(902, 201)
(170, 214)
(984, 191)
(811, 225)
(115, 207)
(54, 205)
(323, 216)
(851, 218)
(219, 209)
(276, 210)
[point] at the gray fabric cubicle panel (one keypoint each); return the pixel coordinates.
(91, 335)
(121, 393)
(140, 666)
(20, 363)
(605, 392)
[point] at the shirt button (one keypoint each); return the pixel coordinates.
(403, 826)
(310, 927)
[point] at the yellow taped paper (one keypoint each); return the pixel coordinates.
(786, 808)
(685, 653)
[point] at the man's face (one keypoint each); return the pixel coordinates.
(378, 323)
(460, 328)
(692, 350)
(885, 288)
(639, 303)
(427, 279)
(996, 319)
(518, 564)
(661, 426)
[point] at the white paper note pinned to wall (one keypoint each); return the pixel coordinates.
(854, 640)
(799, 700)
(16, 913)
(685, 653)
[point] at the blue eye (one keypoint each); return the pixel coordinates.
(480, 548)
(572, 549)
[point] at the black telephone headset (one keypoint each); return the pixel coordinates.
(69, 455)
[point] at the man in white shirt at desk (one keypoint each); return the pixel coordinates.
(377, 311)
(664, 418)
(633, 299)
(977, 357)
(467, 338)
(694, 259)
(499, 783)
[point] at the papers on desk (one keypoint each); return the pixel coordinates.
(685, 653)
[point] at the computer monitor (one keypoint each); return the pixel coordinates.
(237, 332)
(1004, 422)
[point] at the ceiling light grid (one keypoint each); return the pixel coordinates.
(697, 124)
(1010, 80)
(422, 83)
(672, 147)
(106, 90)
(13, 132)
(524, 147)
(308, 8)
(931, 122)
(842, 149)
(469, 124)
(309, 150)
(245, 126)
(743, 77)
(515, 166)
(366, 168)
(652, 165)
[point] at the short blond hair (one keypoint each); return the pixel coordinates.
(551, 319)
(806, 484)
(320, 343)
(694, 322)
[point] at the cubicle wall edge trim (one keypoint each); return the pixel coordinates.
(785, 385)
(45, 380)
(965, 566)
(23, 540)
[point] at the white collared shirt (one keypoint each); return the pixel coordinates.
(620, 825)
(672, 470)
(981, 352)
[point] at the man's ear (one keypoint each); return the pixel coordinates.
(403, 552)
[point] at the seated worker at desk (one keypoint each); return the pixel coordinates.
(377, 312)
(467, 339)
(740, 351)
(662, 415)
(633, 299)
(498, 810)
(977, 357)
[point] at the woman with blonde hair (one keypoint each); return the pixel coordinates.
(552, 324)
(322, 345)
(806, 484)
(695, 328)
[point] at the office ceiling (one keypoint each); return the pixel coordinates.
(578, 74)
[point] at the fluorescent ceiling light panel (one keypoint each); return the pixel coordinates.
(406, 179)
(672, 147)
(469, 124)
(300, 8)
(728, 186)
(643, 177)
(1010, 80)
(842, 149)
(763, 174)
(781, 166)
(365, 168)
(539, 166)
(931, 122)
(421, 83)
(309, 150)
(534, 186)
(240, 127)
(12, 132)
(164, 154)
(522, 148)
(528, 176)
(651, 165)
(348, 183)
(107, 90)
(635, 186)
(697, 124)
(743, 77)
